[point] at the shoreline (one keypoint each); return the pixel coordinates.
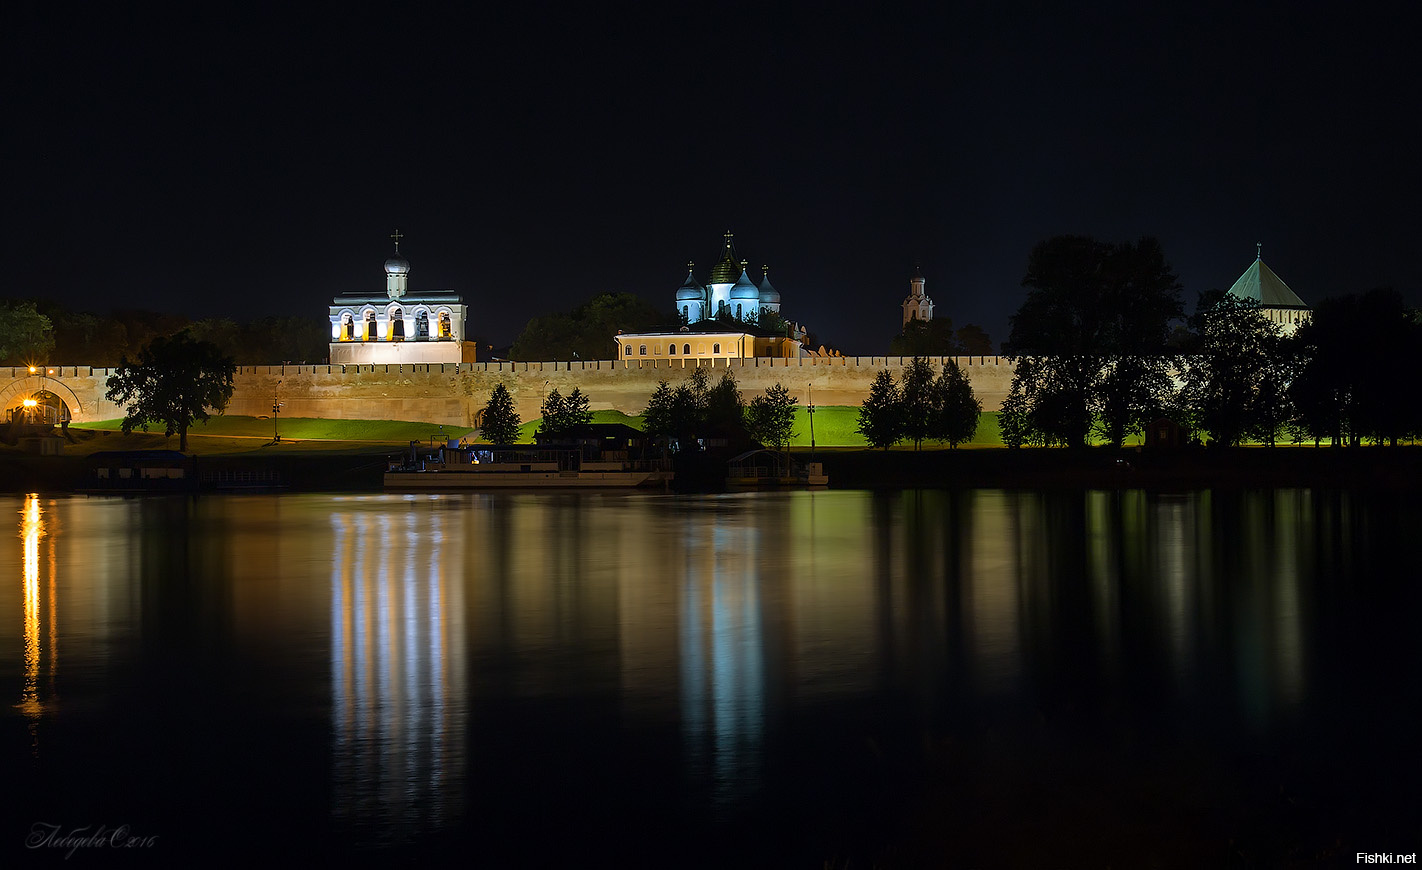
(1394, 468)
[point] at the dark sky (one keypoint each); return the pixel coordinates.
(244, 159)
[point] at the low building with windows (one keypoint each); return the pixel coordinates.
(708, 340)
(398, 326)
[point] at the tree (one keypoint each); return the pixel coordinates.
(725, 410)
(1351, 352)
(657, 417)
(588, 331)
(1095, 323)
(916, 399)
(926, 338)
(679, 413)
(500, 420)
(28, 335)
(1235, 377)
(564, 414)
(955, 407)
(879, 416)
(974, 340)
(771, 417)
(174, 381)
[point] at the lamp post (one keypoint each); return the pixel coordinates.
(276, 410)
(810, 409)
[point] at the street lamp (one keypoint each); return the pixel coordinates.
(810, 409)
(276, 410)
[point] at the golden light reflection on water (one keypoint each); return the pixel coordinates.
(709, 615)
(31, 528)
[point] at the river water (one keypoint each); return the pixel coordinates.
(973, 678)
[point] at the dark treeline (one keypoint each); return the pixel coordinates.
(48, 332)
(1099, 352)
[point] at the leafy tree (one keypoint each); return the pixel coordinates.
(500, 420)
(679, 412)
(1352, 351)
(27, 337)
(725, 410)
(880, 415)
(770, 321)
(974, 340)
(1235, 377)
(1013, 423)
(916, 400)
(174, 381)
(926, 338)
(588, 331)
(771, 417)
(657, 417)
(1095, 324)
(955, 407)
(564, 414)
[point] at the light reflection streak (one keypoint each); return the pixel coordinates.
(397, 647)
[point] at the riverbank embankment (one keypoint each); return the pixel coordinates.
(1394, 468)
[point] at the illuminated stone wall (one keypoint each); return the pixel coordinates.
(452, 394)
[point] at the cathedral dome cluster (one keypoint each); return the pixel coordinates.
(728, 291)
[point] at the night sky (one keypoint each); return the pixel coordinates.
(245, 160)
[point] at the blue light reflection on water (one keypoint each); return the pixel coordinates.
(502, 663)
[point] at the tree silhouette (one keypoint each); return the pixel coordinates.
(880, 415)
(174, 381)
(1095, 324)
(500, 420)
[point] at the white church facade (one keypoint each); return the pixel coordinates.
(397, 326)
(917, 306)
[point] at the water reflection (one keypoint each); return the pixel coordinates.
(477, 661)
(397, 669)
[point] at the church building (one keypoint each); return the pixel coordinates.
(917, 306)
(1280, 304)
(398, 326)
(722, 318)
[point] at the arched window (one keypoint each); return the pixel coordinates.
(686, 312)
(347, 327)
(686, 348)
(369, 334)
(397, 325)
(444, 331)
(738, 311)
(422, 326)
(642, 349)
(672, 350)
(716, 348)
(629, 350)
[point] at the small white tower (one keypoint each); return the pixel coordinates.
(397, 271)
(917, 306)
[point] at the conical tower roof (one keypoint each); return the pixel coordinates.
(1260, 284)
(727, 270)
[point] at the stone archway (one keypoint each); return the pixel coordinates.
(14, 394)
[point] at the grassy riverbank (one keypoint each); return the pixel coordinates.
(351, 455)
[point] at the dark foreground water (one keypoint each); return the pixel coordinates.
(839, 679)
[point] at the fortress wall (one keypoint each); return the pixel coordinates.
(453, 394)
